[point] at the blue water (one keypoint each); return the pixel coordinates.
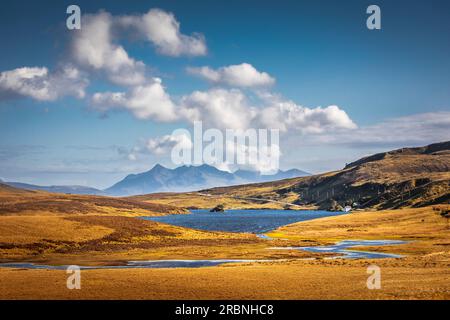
(250, 221)
(134, 264)
(341, 248)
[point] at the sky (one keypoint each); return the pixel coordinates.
(90, 106)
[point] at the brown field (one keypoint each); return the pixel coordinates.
(15, 201)
(200, 200)
(105, 230)
(97, 239)
(296, 280)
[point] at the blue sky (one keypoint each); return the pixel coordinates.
(393, 84)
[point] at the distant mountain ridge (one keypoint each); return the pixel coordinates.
(57, 189)
(162, 179)
(191, 178)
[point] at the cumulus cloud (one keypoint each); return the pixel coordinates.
(148, 101)
(241, 75)
(93, 47)
(221, 108)
(250, 156)
(96, 46)
(261, 158)
(41, 84)
(164, 144)
(163, 30)
(158, 146)
(287, 115)
(217, 108)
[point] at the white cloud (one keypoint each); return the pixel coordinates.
(158, 146)
(93, 47)
(221, 108)
(148, 101)
(255, 161)
(253, 157)
(224, 109)
(163, 30)
(40, 84)
(241, 75)
(96, 46)
(217, 108)
(331, 150)
(286, 115)
(164, 144)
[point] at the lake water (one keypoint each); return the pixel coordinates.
(134, 264)
(341, 249)
(261, 221)
(250, 221)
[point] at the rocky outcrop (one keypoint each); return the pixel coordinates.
(218, 208)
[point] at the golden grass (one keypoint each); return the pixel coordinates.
(205, 201)
(22, 202)
(98, 239)
(109, 236)
(23, 230)
(406, 224)
(297, 280)
(424, 229)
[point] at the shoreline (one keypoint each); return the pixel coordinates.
(423, 273)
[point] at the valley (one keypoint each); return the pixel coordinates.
(109, 233)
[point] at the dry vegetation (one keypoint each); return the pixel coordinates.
(296, 280)
(424, 228)
(423, 274)
(414, 177)
(17, 201)
(200, 200)
(37, 226)
(50, 228)
(96, 239)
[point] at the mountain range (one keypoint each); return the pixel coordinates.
(162, 179)
(191, 178)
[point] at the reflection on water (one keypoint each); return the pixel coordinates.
(250, 221)
(341, 248)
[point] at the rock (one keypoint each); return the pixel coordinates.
(218, 208)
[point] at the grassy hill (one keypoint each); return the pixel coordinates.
(408, 177)
(19, 201)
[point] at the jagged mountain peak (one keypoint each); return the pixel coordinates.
(190, 178)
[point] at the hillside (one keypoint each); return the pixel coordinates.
(57, 189)
(15, 201)
(408, 177)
